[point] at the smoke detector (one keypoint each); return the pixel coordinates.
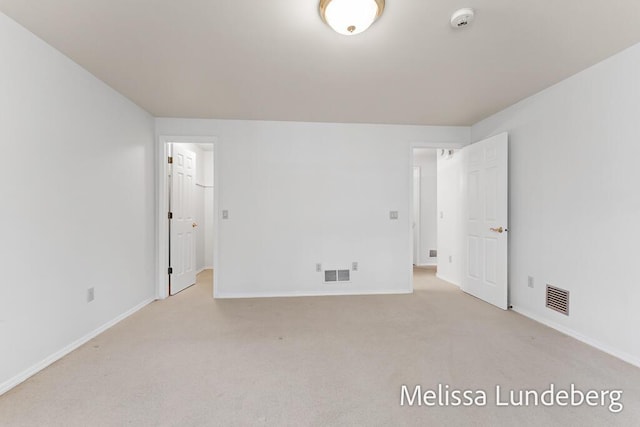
(462, 18)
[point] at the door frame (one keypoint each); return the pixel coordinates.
(412, 146)
(162, 207)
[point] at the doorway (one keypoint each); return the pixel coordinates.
(471, 216)
(190, 213)
(186, 212)
(425, 226)
(436, 202)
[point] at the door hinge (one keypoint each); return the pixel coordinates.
(170, 215)
(170, 270)
(170, 159)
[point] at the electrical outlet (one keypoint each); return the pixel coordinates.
(225, 214)
(450, 259)
(441, 215)
(530, 281)
(318, 267)
(90, 294)
(393, 214)
(354, 266)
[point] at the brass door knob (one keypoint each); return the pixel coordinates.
(497, 230)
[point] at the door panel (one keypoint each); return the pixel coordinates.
(182, 225)
(485, 220)
(491, 197)
(490, 262)
(474, 269)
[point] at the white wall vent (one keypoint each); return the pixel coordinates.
(558, 299)
(337, 276)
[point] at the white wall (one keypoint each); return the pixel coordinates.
(77, 189)
(575, 203)
(426, 160)
(416, 214)
(305, 193)
(208, 209)
(450, 236)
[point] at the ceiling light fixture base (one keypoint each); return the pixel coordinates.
(350, 17)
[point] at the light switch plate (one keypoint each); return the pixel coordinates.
(225, 214)
(393, 214)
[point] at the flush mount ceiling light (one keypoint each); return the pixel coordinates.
(350, 17)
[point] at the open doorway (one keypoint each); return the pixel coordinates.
(187, 226)
(190, 213)
(425, 210)
(471, 215)
(436, 201)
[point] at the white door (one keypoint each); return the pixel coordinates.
(485, 220)
(182, 225)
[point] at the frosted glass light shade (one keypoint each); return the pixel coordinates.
(350, 17)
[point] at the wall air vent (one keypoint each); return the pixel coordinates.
(330, 276)
(558, 299)
(337, 275)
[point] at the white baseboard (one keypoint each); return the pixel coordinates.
(426, 265)
(24, 375)
(441, 277)
(230, 295)
(573, 334)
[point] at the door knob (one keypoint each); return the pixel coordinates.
(194, 225)
(497, 230)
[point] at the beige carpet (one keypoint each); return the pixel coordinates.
(194, 361)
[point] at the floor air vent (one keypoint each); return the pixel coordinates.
(337, 275)
(558, 299)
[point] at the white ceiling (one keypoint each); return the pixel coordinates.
(276, 60)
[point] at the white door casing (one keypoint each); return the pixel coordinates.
(485, 215)
(182, 225)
